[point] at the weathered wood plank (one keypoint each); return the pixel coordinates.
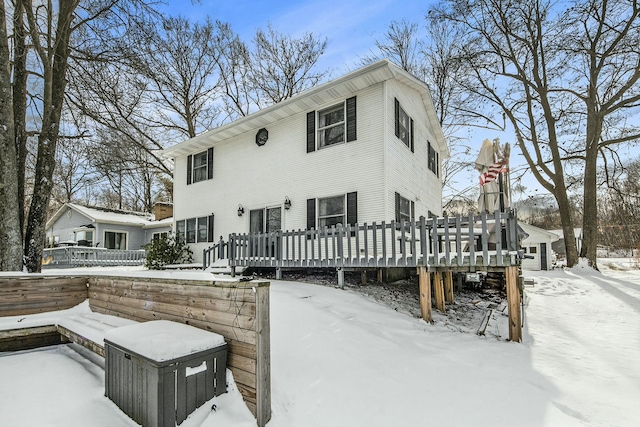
(439, 291)
(263, 348)
(448, 287)
(513, 302)
(425, 294)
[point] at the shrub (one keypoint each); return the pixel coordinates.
(167, 250)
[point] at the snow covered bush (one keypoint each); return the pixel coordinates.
(167, 250)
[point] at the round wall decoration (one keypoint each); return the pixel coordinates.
(261, 137)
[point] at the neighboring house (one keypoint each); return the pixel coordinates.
(559, 247)
(362, 148)
(538, 247)
(74, 224)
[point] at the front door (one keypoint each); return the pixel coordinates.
(265, 221)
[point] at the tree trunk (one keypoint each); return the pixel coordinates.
(54, 87)
(20, 103)
(10, 232)
(589, 248)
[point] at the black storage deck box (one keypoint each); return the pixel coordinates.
(159, 372)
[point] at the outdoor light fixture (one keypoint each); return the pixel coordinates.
(240, 210)
(287, 203)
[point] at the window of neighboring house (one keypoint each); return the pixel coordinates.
(533, 249)
(403, 125)
(160, 235)
(404, 209)
(53, 240)
(115, 240)
(200, 166)
(84, 237)
(433, 160)
(332, 125)
(191, 230)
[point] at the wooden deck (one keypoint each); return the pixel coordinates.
(451, 243)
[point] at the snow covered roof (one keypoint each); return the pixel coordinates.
(167, 222)
(533, 230)
(308, 100)
(560, 233)
(105, 216)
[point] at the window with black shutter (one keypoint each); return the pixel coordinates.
(200, 166)
(403, 125)
(432, 160)
(332, 125)
(405, 208)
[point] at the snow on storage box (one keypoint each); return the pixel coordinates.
(159, 372)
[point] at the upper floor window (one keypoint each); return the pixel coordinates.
(403, 125)
(433, 160)
(200, 166)
(332, 125)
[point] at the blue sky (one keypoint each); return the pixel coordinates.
(351, 26)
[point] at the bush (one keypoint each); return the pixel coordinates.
(167, 250)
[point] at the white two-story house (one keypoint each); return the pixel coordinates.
(362, 148)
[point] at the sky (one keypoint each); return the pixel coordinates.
(351, 27)
(350, 358)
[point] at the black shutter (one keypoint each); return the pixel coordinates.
(397, 115)
(210, 236)
(351, 119)
(189, 168)
(411, 136)
(397, 207)
(413, 211)
(352, 208)
(311, 131)
(437, 164)
(210, 163)
(311, 215)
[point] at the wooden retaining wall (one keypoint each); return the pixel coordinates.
(237, 310)
(39, 294)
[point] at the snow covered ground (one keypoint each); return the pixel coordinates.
(361, 357)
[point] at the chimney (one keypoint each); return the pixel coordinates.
(163, 210)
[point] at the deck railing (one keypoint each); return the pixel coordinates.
(80, 256)
(435, 242)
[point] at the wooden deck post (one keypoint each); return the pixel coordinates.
(513, 302)
(439, 291)
(340, 277)
(380, 275)
(448, 287)
(363, 278)
(278, 273)
(425, 294)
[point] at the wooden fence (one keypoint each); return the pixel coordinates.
(237, 310)
(38, 294)
(80, 256)
(435, 242)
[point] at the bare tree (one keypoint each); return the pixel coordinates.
(10, 231)
(564, 80)
(283, 66)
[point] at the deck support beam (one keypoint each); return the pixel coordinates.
(425, 294)
(448, 287)
(278, 273)
(363, 278)
(380, 275)
(514, 304)
(438, 288)
(341, 277)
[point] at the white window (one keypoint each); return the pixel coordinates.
(191, 230)
(203, 229)
(331, 211)
(404, 125)
(200, 167)
(433, 159)
(115, 240)
(331, 125)
(404, 209)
